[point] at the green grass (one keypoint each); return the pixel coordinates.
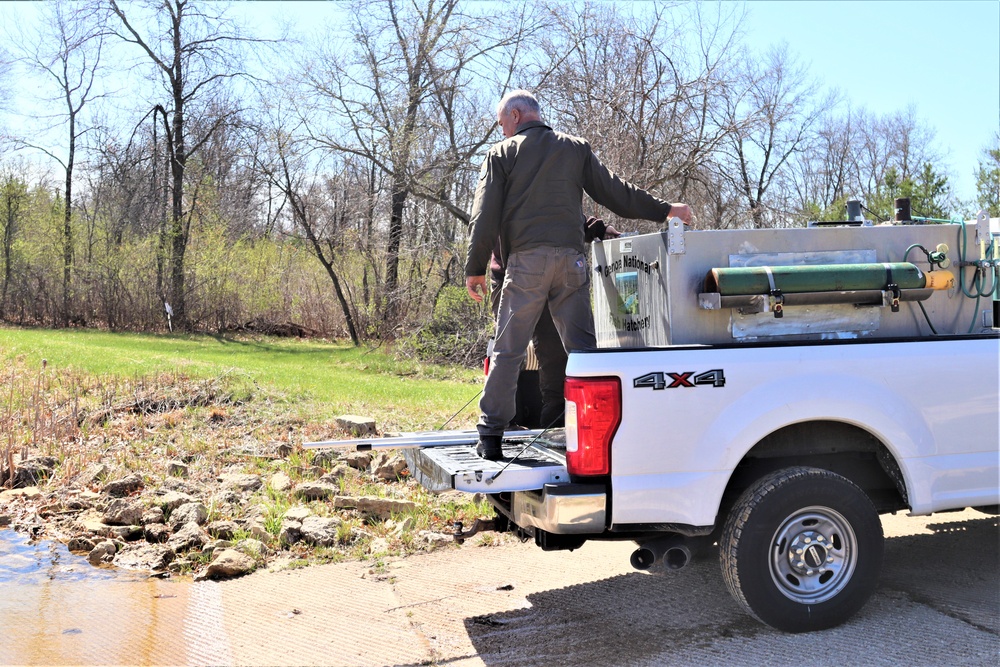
(136, 402)
(317, 378)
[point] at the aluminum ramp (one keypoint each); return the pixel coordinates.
(446, 460)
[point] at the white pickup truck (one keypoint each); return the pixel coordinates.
(770, 392)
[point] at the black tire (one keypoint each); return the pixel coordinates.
(825, 520)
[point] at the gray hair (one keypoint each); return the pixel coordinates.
(522, 100)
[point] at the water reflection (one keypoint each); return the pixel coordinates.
(57, 609)
(26, 562)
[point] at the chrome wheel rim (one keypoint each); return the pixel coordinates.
(813, 555)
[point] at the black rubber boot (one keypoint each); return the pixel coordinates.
(489, 447)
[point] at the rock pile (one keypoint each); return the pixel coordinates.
(212, 525)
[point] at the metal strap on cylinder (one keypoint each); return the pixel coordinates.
(892, 287)
(777, 300)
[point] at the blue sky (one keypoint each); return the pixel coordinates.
(943, 57)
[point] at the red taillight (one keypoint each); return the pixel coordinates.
(593, 413)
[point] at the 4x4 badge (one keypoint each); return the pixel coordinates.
(659, 380)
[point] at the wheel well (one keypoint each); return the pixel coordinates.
(835, 446)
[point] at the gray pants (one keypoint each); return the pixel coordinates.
(556, 276)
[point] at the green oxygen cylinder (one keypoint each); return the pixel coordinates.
(815, 278)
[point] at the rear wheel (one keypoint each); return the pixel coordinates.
(802, 549)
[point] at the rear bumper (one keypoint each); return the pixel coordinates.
(563, 509)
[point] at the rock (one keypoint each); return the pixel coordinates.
(317, 490)
(357, 426)
(223, 530)
(78, 544)
(326, 458)
(28, 493)
(240, 482)
(334, 476)
(93, 474)
(33, 471)
(280, 482)
(4, 520)
(320, 531)
(384, 508)
(313, 471)
(78, 504)
(228, 563)
(388, 468)
(229, 497)
(379, 545)
(188, 513)
(181, 565)
(102, 554)
(435, 539)
(182, 485)
(358, 460)
(124, 486)
(156, 532)
(253, 548)
(297, 513)
(190, 536)
(257, 530)
(123, 512)
(177, 469)
(171, 500)
(403, 526)
(214, 545)
(125, 533)
(152, 515)
(92, 523)
(291, 532)
(145, 557)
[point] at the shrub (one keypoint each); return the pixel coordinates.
(457, 332)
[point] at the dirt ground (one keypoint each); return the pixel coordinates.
(512, 604)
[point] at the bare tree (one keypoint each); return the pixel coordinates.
(898, 141)
(641, 87)
(66, 48)
(854, 154)
(323, 211)
(771, 122)
(194, 53)
(401, 100)
(823, 177)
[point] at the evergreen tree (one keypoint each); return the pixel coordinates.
(988, 179)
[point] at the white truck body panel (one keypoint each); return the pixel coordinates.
(932, 403)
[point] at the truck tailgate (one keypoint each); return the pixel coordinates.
(446, 460)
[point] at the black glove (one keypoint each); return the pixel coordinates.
(595, 228)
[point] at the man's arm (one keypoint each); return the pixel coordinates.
(487, 209)
(625, 199)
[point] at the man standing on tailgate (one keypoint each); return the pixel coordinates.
(530, 196)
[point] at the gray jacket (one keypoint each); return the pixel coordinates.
(530, 194)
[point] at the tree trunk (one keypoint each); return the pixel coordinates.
(178, 232)
(67, 223)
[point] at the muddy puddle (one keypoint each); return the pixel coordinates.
(57, 609)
